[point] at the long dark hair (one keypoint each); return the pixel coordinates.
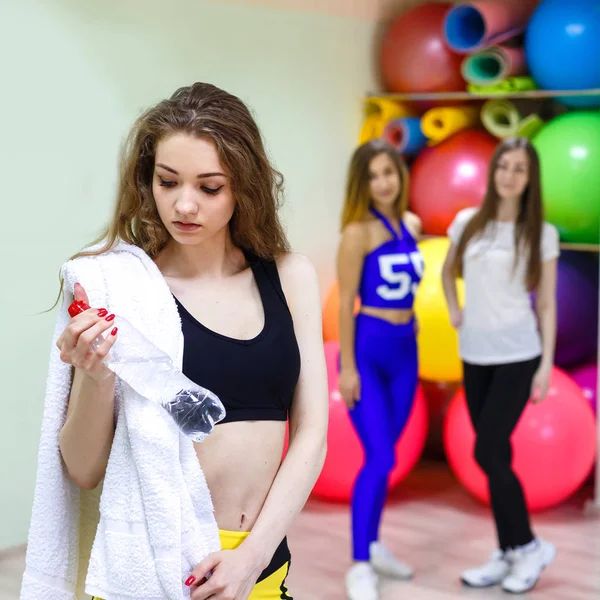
(528, 229)
(358, 195)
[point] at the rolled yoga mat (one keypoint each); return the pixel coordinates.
(500, 117)
(405, 135)
(510, 85)
(378, 113)
(437, 124)
(529, 126)
(473, 26)
(492, 65)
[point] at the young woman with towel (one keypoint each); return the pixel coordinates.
(205, 266)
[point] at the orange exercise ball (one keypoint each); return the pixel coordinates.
(331, 313)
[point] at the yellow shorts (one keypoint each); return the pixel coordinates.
(271, 583)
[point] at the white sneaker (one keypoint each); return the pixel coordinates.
(527, 564)
(361, 582)
(491, 573)
(385, 563)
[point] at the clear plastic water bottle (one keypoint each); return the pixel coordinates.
(152, 374)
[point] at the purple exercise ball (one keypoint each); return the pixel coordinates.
(586, 377)
(577, 309)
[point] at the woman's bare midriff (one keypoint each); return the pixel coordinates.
(240, 461)
(392, 315)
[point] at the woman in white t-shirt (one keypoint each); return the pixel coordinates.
(504, 251)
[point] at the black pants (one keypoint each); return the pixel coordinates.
(496, 396)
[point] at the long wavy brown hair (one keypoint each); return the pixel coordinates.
(358, 196)
(528, 229)
(205, 111)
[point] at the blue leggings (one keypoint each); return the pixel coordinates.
(387, 363)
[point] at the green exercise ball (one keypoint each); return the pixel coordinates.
(569, 151)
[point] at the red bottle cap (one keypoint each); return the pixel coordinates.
(77, 307)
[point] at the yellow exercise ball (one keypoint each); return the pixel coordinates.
(438, 341)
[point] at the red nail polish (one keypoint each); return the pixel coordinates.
(190, 580)
(102, 312)
(114, 331)
(110, 317)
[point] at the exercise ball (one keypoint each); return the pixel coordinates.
(569, 151)
(554, 445)
(344, 452)
(331, 313)
(576, 308)
(450, 176)
(586, 377)
(414, 55)
(437, 340)
(562, 48)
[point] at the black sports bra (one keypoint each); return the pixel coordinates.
(254, 379)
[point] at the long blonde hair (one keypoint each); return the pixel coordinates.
(205, 111)
(358, 195)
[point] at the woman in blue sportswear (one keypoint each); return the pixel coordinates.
(378, 260)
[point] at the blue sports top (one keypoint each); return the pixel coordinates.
(392, 272)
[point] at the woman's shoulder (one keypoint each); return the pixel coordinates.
(359, 228)
(356, 235)
(466, 214)
(550, 241)
(299, 281)
(95, 265)
(413, 223)
(293, 266)
(101, 253)
(458, 224)
(549, 230)
(87, 271)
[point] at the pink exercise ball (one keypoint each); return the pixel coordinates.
(554, 445)
(586, 377)
(414, 55)
(450, 176)
(344, 452)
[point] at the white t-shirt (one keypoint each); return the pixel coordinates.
(499, 323)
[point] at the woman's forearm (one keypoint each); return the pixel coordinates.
(87, 435)
(547, 323)
(347, 331)
(450, 292)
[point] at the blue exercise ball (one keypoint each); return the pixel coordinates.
(562, 48)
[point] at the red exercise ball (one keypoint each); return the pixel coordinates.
(414, 54)
(438, 395)
(344, 452)
(554, 445)
(450, 176)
